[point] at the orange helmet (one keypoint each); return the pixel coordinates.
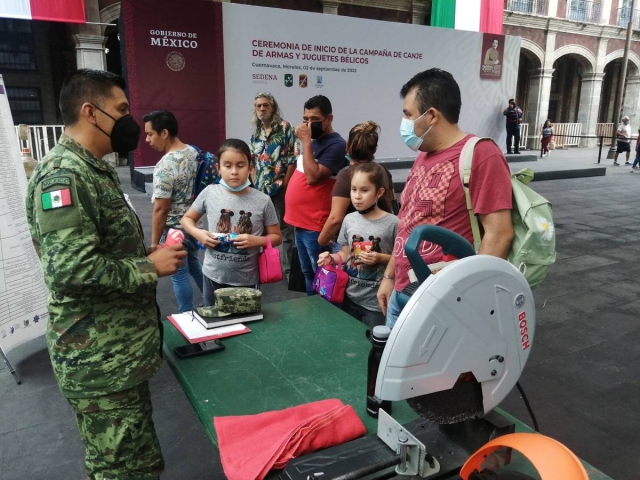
(552, 460)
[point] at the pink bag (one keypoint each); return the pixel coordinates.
(330, 282)
(269, 264)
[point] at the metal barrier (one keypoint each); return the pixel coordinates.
(567, 134)
(42, 138)
(564, 135)
(604, 130)
(524, 134)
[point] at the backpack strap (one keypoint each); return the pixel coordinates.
(466, 160)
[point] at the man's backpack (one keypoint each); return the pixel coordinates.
(533, 249)
(206, 173)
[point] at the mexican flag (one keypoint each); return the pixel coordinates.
(474, 15)
(48, 10)
(56, 199)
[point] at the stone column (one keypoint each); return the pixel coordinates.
(541, 79)
(330, 6)
(630, 107)
(90, 51)
(538, 103)
(589, 105)
(532, 106)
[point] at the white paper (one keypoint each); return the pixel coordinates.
(23, 293)
(193, 329)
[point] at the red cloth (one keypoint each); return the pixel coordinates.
(251, 445)
(433, 195)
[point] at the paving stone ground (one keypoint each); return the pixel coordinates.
(582, 378)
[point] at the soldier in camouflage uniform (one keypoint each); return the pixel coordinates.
(104, 332)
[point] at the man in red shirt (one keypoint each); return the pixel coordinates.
(433, 193)
(308, 196)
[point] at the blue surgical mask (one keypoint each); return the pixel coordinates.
(235, 189)
(408, 133)
(348, 157)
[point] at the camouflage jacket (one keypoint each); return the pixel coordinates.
(104, 332)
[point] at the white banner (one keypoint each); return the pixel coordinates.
(23, 294)
(360, 65)
(15, 9)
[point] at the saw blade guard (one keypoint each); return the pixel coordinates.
(476, 316)
(550, 458)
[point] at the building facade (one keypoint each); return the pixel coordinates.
(35, 56)
(570, 61)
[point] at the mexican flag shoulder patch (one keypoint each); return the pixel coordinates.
(56, 199)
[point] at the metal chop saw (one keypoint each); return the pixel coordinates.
(456, 351)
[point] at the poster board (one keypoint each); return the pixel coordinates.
(173, 61)
(23, 293)
(206, 61)
(360, 65)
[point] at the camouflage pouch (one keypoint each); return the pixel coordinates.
(232, 301)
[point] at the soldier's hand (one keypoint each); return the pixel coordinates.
(167, 260)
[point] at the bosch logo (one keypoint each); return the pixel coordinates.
(519, 301)
(524, 330)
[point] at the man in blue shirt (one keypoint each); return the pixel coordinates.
(308, 200)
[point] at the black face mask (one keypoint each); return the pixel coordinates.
(368, 210)
(316, 130)
(125, 133)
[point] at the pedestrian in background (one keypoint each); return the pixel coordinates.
(623, 133)
(636, 162)
(513, 115)
(546, 135)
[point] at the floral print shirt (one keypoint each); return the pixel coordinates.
(273, 155)
(173, 178)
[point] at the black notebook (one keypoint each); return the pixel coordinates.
(215, 322)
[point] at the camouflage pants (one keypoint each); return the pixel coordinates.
(118, 434)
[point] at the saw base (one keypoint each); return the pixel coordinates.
(368, 458)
